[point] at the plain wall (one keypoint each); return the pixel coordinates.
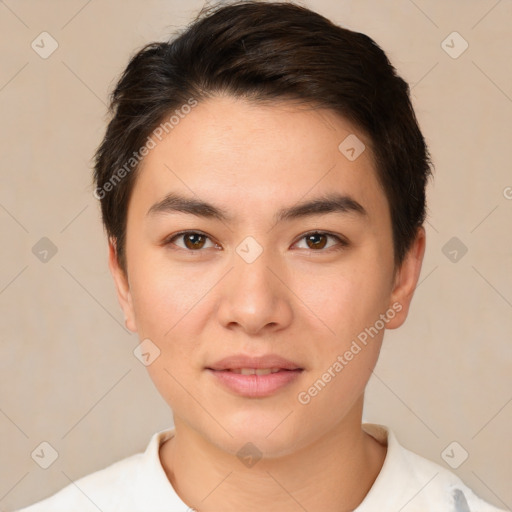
(67, 372)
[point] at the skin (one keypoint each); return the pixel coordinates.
(304, 303)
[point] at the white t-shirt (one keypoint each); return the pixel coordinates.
(407, 482)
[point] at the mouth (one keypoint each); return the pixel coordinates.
(255, 382)
(254, 376)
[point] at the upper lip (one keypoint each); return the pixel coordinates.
(237, 361)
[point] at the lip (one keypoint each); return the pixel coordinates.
(255, 386)
(237, 361)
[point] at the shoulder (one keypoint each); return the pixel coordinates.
(442, 487)
(98, 490)
(136, 483)
(416, 484)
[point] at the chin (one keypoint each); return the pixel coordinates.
(275, 435)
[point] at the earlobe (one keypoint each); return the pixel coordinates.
(122, 285)
(406, 279)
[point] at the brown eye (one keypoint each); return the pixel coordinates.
(318, 240)
(192, 240)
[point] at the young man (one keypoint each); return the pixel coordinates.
(262, 183)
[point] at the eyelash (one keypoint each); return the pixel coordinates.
(342, 243)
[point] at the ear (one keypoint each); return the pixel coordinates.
(406, 280)
(122, 286)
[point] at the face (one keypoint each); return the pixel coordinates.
(267, 277)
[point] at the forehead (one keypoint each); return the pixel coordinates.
(248, 158)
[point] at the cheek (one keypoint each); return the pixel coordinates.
(166, 306)
(164, 295)
(344, 299)
(347, 341)
(170, 307)
(347, 303)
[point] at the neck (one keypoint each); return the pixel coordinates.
(333, 474)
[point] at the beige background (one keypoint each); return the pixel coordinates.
(67, 372)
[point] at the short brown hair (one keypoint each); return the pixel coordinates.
(264, 52)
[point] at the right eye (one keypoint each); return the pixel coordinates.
(193, 240)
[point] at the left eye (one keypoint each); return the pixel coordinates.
(317, 240)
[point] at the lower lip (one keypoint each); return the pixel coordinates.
(255, 386)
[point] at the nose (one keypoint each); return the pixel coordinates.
(254, 297)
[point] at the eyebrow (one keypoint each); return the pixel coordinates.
(327, 203)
